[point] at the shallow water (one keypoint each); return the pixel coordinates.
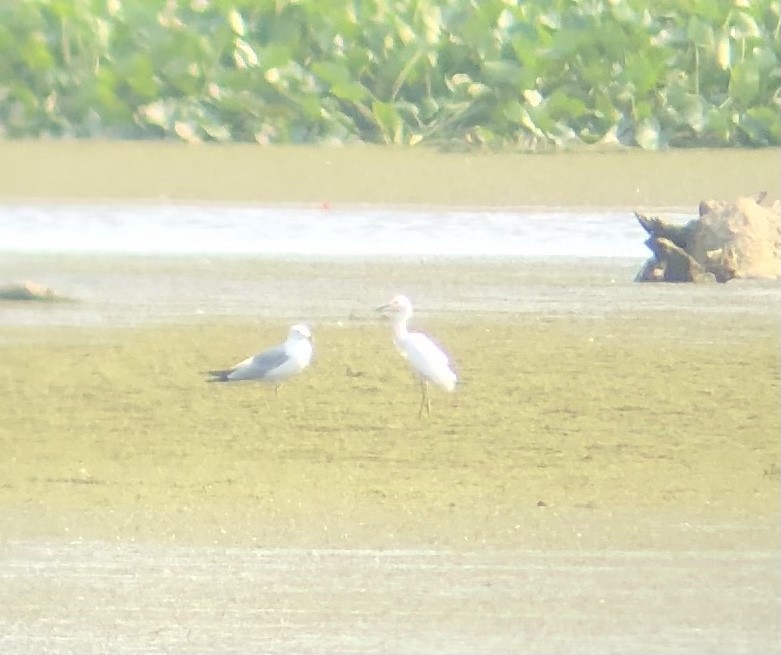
(131, 264)
(258, 230)
(95, 597)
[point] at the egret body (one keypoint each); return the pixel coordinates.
(424, 356)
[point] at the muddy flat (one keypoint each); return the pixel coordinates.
(604, 479)
(121, 597)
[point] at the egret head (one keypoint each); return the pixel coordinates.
(399, 305)
(298, 332)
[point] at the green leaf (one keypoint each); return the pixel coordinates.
(388, 120)
(762, 126)
(648, 134)
(236, 21)
(244, 55)
(429, 108)
(141, 78)
(744, 82)
(700, 33)
(350, 91)
(514, 111)
(333, 72)
(718, 124)
(477, 90)
(691, 111)
(35, 52)
(563, 106)
(503, 73)
(274, 55)
(640, 72)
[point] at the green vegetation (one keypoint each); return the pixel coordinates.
(115, 433)
(533, 75)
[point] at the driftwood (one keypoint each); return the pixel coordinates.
(728, 240)
(27, 291)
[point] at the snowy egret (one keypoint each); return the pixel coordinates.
(424, 356)
(275, 364)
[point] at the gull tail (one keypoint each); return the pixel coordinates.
(219, 375)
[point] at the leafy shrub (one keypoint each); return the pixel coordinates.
(542, 73)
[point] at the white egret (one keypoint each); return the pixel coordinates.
(424, 356)
(275, 364)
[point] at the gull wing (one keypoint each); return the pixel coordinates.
(256, 367)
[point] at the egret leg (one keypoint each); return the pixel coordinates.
(276, 389)
(424, 400)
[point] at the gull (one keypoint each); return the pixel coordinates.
(274, 365)
(424, 356)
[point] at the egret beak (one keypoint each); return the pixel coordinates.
(383, 308)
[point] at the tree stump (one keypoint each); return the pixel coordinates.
(740, 239)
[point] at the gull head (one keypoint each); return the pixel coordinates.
(299, 332)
